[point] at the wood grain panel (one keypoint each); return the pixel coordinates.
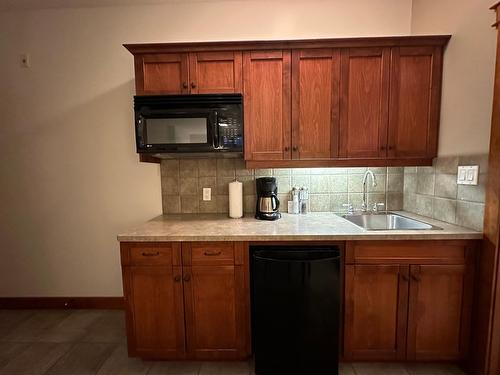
(415, 101)
(375, 312)
(155, 305)
(213, 318)
(163, 74)
(215, 72)
(315, 103)
(407, 252)
(267, 105)
(435, 312)
(364, 102)
(212, 253)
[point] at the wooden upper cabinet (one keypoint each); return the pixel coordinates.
(215, 72)
(364, 102)
(436, 312)
(375, 312)
(163, 73)
(315, 103)
(267, 105)
(415, 101)
(189, 73)
(156, 309)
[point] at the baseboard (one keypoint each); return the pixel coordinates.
(111, 303)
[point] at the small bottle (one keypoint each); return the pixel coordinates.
(296, 204)
(304, 200)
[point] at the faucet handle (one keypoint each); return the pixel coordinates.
(377, 205)
(350, 209)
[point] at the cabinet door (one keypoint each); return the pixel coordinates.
(376, 298)
(214, 297)
(414, 102)
(155, 310)
(364, 100)
(165, 73)
(315, 103)
(267, 101)
(215, 72)
(436, 312)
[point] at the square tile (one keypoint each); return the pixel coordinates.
(207, 167)
(226, 168)
(171, 204)
(188, 168)
(337, 201)
(169, 168)
(338, 183)
(425, 183)
(446, 186)
(473, 193)
(189, 204)
(395, 182)
(445, 210)
(319, 202)
(446, 164)
(470, 215)
(170, 185)
(320, 184)
(424, 205)
(188, 186)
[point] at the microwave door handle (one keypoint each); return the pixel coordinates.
(216, 130)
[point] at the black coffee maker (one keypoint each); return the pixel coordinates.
(268, 203)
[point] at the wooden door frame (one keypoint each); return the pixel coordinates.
(486, 340)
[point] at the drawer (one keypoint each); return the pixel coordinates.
(154, 254)
(212, 253)
(408, 252)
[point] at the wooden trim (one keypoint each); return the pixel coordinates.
(145, 158)
(377, 162)
(436, 40)
(102, 303)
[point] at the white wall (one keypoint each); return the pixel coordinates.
(468, 70)
(69, 176)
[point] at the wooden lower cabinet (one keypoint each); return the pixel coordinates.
(188, 301)
(156, 311)
(376, 301)
(404, 305)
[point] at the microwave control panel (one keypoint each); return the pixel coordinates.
(230, 131)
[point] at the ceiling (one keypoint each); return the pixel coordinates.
(44, 4)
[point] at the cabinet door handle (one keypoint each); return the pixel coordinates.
(405, 278)
(415, 278)
(212, 253)
(382, 148)
(391, 147)
(286, 148)
(177, 278)
(295, 148)
(187, 277)
(185, 85)
(193, 85)
(150, 254)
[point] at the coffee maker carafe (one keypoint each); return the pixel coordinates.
(268, 203)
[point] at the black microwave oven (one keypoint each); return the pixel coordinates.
(189, 123)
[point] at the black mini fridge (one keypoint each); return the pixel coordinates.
(295, 309)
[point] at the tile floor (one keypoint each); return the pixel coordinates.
(81, 342)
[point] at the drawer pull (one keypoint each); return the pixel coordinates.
(151, 254)
(405, 278)
(212, 254)
(415, 278)
(177, 278)
(187, 277)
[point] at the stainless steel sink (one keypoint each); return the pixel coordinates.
(387, 221)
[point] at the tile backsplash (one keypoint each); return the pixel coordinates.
(434, 192)
(183, 180)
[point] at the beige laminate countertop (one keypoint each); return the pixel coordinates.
(313, 226)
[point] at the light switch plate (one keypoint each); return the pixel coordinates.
(467, 174)
(207, 194)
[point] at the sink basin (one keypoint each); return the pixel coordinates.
(387, 221)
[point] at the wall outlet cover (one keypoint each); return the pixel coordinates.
(207, 194)
(468, 175)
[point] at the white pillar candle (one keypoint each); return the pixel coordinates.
(235, 199)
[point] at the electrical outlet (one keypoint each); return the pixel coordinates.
(468, 175)
(25, 60)
(207, 194)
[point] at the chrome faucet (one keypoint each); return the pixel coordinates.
(364, 205)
